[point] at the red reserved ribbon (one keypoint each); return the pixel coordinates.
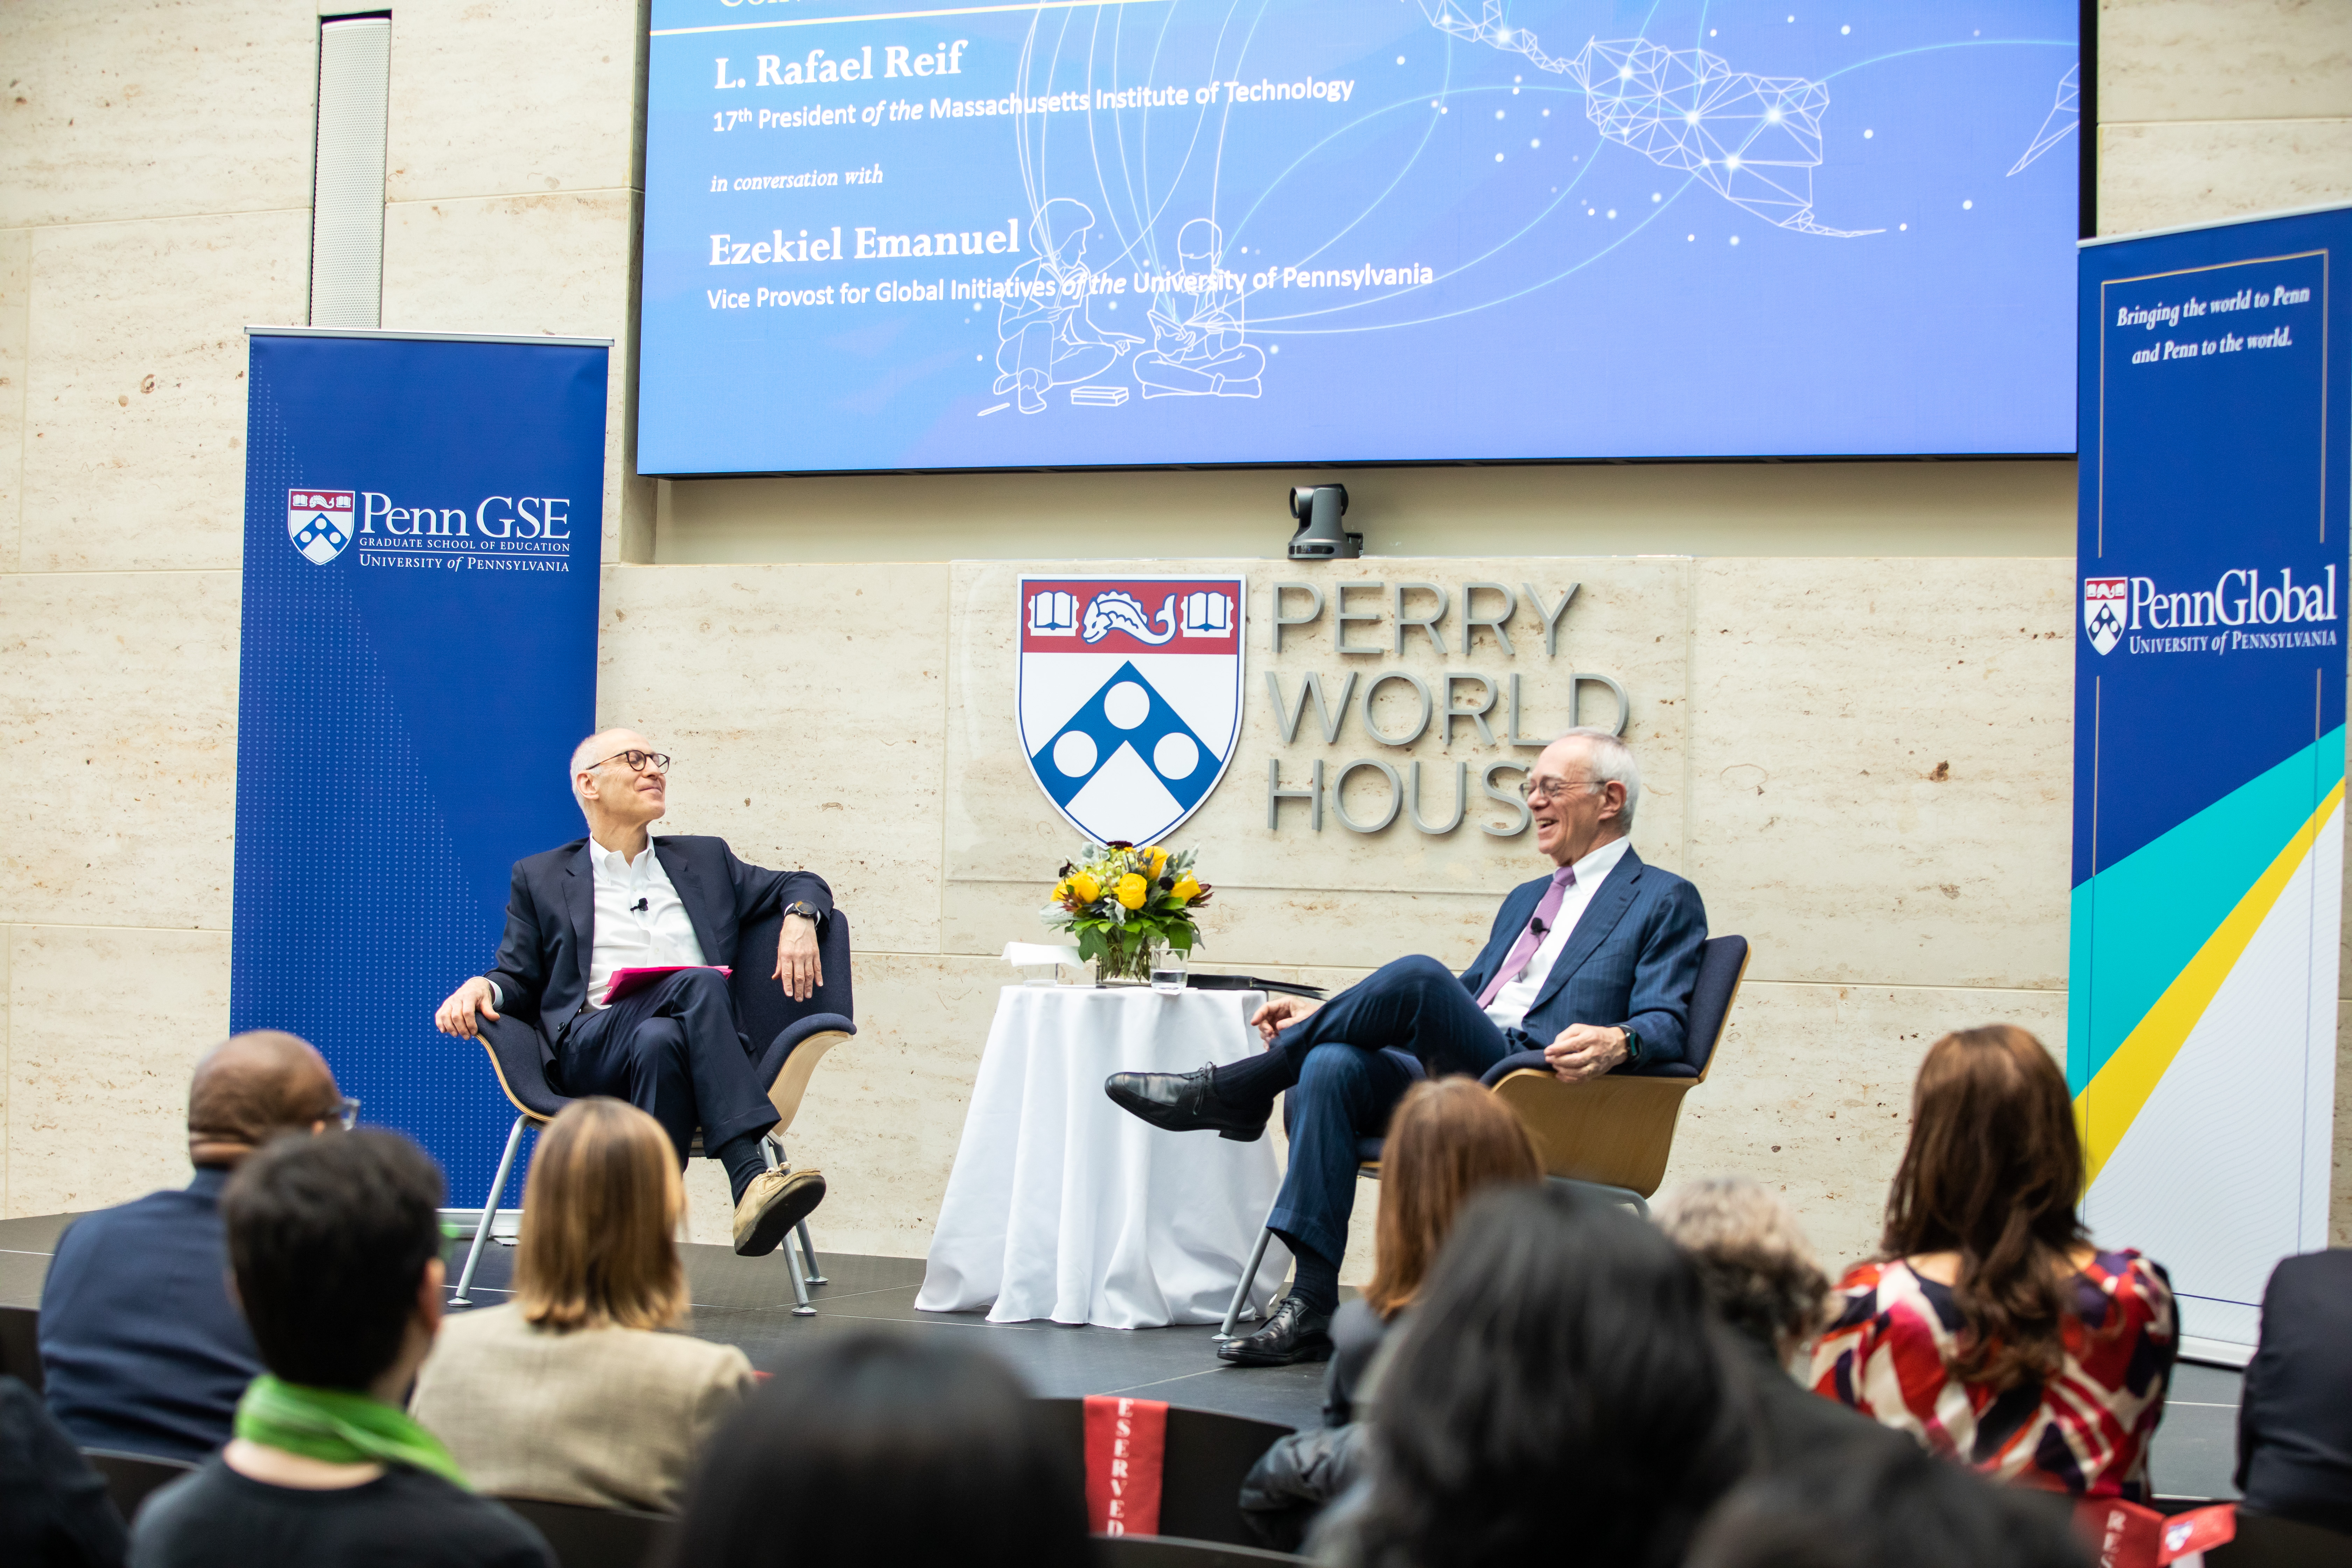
(1126, 1439)
(2127, 1535)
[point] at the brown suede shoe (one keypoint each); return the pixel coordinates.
(774, 1202)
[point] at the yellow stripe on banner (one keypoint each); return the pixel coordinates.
(2131, 1075)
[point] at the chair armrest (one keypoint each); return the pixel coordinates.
(790, 1058)
(1521, 1061)
(1616, 1130)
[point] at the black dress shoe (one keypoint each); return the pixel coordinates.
(1184, 1103)
(1295, 1332)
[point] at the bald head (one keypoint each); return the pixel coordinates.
(617, 799)
(252, 1087)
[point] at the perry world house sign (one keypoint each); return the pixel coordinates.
(1129, 696)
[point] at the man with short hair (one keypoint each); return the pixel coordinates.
(621, 898)
(335, 1245)
(142, 1349)
(1592, 965)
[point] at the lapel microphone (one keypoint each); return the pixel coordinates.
(641, 906)
(1537, 926)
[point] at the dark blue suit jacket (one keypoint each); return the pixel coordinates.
(141, 1347)
(1632, 961)
(551, 935)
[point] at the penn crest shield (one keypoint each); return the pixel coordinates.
(319, 522)
(2106, 601)
(1131, 697)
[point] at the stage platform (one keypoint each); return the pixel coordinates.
(748, 1301)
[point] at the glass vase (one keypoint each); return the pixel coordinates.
(1128, 960)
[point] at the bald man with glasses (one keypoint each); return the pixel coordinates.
(1592, 964)
(623, 898)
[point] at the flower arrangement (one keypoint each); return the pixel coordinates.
(1122, 903)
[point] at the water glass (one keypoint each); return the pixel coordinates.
(1168, 970)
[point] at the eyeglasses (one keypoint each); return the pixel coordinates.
(636, 760)
(347, 1111)
(1548, 790)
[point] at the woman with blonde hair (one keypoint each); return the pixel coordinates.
(572, 1392)
(1992, 1330)
(1448, 1140)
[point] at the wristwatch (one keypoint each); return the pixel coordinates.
(1632, 1046)
(806, 911)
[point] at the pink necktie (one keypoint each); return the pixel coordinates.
(1538, 925)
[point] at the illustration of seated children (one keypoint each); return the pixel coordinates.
(1196, 329)
(1044, 337)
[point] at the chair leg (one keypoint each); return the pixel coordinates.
(800, 1307)
(1249, 1278)
(489, 1212)
(808, 1251)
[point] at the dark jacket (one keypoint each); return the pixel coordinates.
(1292, 1481)
(141, 1347)
(551, 935)
(2294, 1416)
(1632, 959)
(53, 1511)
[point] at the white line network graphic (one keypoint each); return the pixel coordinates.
(1756, 140)
(2064, 116)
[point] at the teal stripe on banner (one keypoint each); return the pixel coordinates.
(2160, 904)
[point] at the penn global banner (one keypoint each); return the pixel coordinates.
(422, 533)
(2210, 749)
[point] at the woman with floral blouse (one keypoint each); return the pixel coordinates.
(1993, 1330)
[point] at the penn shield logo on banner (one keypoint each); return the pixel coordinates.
(319, 522)
(2106, 601)
(1131, 697)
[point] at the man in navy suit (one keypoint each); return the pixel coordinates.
(621, 898)
(1592, 965)
(142, 1349)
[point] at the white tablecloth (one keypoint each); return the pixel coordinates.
(1062, 1205)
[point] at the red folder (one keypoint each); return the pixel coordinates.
(626, 981)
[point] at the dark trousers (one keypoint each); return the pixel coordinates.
(672, 1051)
(1343, 1085)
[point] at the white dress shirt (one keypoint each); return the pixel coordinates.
(1519, 994)
(627, 937)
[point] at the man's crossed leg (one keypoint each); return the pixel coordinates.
(1345, 1087)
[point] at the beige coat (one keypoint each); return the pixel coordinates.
(611, 1417)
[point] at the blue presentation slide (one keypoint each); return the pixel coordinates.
(884, 237)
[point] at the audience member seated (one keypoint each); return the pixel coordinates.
(335, 1249)
(569, 1392)
(141, 1348)
(1759, 1272)
(1857, 1507)
(53, 1511)
(1993, 1330)
(868, 1449)
(1450, 1139)
(1561, 1390)
(2294, 1422)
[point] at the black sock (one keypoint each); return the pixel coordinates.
(1251, 1083)
(743, 1161)
(1315, 1284)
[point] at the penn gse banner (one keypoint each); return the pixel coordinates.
(423, 529)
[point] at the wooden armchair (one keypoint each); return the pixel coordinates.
(1613, 1133)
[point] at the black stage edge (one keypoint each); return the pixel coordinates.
(748, 1301)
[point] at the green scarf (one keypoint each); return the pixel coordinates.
(340, 1428)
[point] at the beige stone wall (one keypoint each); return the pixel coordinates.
(1817, 641)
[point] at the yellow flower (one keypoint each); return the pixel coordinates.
(1187, 888)
(1085, 888)
(1132, 891)
(1159, 859)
